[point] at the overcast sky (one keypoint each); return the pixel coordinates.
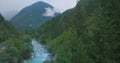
(17, 5)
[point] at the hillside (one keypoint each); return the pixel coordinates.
(14, 46)
(88, 33)
(33, 16)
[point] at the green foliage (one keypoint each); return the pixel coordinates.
(27, 47)
(15, 47)
(88, 33)
(4, 58)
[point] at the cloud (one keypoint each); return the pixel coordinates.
(49, 12)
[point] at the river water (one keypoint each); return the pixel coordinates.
(39, 55)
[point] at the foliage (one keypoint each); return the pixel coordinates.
(88, 33)
(14, 46)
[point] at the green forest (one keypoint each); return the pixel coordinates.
(14, 46)
(87, 33)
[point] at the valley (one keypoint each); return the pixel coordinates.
(87, 33)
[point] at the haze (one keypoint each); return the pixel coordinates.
(17, 5)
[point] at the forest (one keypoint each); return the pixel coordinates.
(14, 46)
(87, 33)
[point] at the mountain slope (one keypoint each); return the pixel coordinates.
(88, 33)
(14, 46)
(33, 16)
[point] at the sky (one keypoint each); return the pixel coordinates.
(17, 5)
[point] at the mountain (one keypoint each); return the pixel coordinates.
(14, 46)
(88, 33)
(33, 16)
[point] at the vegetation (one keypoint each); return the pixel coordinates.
(88, 33)
(14, 46)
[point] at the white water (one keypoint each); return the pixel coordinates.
(39, 55)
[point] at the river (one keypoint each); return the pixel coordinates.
(39, 55)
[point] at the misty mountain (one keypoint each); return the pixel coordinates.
(8, 15)
(33, 16)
